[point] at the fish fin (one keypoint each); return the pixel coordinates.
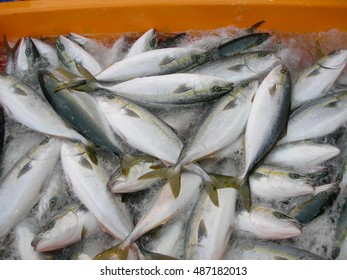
(182, 88)
(152, 255)
(116, 252)
(280, 258)
(332, 104)
(319, 51)
(127, 161)
(66, 73)
(168, 42)
(236, 68)
(212, 193)
(85, 72)
(272, 89)
(24, 169)
(230, 105)
(8, 49)
(223, 181)
(92, 153)
(202, 230)
(174, 177)
(245, 193)
(313, 73)
(166, 60)
(254, 27)
(19, 91)
(158, 173)
(131, 113)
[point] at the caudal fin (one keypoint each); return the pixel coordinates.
(117, 252)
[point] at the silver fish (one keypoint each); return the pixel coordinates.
(28, 107)
(88, 182)
(302, 156)
(21, 188)
(70, 53)
(179, 88)
(240, 68)
(267, 223)
(267, 119)
(317, 118)
(155, 62)
(318, 78)
(277, 183)
(210, 227)
(46, 51)
(148, 41)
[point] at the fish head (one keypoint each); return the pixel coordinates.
(193, 57)
(272, 224)
(78, 39)
(216, 86)
(262, 61)
(335, 59)
(26, 55)
(67, 51)
(49, 148)
(152, 39)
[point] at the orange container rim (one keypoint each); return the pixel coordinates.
(53, 17)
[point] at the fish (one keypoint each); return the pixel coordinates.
(272, 182)
(163, 208)
(242, 43)
(46, 52)
(267, 119)
(88, 182)
(24, 59)
(66, 228)
(140, 129)
(71, 53)
(2, 129)
(121, 183)
(240, 68)
(80, 110)
(210, 227)
(178, 88)
(154, 62)
(146, 42)
(317, 118)
(252, 249)
(267, 223)
(302, 156)
(53, 197)
(340, 246)
(21, 187)
(317, 79)
(323, 197)
(28, 107)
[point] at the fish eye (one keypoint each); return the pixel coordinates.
(246, 84)
(109, 96)
(264, 54)
(60, 46)
(196, 56)
(52, 202)
(339, 178)
(293, 176)
(284, 70)
(323, 193)
(217, 89)
(153, 42)
(260, 41)
(27, 51)
(280, 215)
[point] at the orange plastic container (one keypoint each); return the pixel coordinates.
(52, 17)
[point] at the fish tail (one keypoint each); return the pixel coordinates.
(173, 174)
(118, 251)
(245, 193)
(152, 255)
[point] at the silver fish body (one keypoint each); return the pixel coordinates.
(140, 128)
(179, 88)
(302, 156)
(47, 52)
(317, 118)
(277, 183)
(21, 188)
(150, 63)
(146, 42)
(70, 53)
(318, 78)
(240, 68)
(28, 107)
(267, 223)
(88, 182)
(210, 227)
